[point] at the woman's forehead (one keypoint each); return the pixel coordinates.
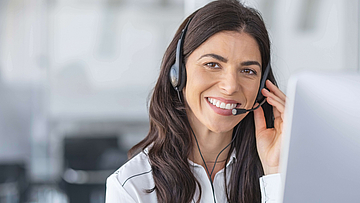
(230, 45)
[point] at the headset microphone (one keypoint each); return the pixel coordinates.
(259, 96)
(241, 111)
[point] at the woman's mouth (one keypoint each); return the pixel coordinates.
(222, 105)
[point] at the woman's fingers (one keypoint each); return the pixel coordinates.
(275, 90)
(276, 98)
(272, 96)
(259, 118)
(278, 122)
(276, 113)
(278, 105)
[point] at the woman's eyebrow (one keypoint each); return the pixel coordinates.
(215, 56)
(249, 63)
(222, 59)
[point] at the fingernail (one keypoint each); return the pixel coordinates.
(265, 90)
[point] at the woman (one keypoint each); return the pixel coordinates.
(196, 150)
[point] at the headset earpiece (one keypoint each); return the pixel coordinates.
(177, 69)
(260, 96)
(177, 72)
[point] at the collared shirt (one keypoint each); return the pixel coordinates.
(130, 182)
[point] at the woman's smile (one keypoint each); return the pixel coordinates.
(222, 106)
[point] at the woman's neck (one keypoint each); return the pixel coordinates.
(210, 144)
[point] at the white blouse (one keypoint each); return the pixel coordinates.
(129, 182)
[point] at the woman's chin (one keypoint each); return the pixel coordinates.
(225, 124)
(221, 128)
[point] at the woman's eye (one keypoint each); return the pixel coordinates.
(212, 65)
(249, 71)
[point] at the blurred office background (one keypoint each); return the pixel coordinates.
(75, 77)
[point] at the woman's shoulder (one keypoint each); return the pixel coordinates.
(131, 181)
(135, 168)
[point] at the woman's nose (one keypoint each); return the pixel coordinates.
(229, 83)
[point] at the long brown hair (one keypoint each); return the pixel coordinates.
(170, 133)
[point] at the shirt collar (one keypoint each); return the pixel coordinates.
(232, 158)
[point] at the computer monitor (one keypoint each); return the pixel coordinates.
(320, 157)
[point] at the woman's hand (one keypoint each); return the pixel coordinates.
(268, 140)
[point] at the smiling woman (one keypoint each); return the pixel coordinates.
(224, 68)
(196, 150)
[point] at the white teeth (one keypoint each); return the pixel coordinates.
(222, 105)
(228, 106)
(218, 104)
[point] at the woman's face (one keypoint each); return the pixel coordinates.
(222, 73)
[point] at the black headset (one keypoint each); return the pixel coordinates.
(177, 72)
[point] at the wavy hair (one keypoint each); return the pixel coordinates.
(170, 133)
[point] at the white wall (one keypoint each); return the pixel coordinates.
(312, 35)
(105, 60)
